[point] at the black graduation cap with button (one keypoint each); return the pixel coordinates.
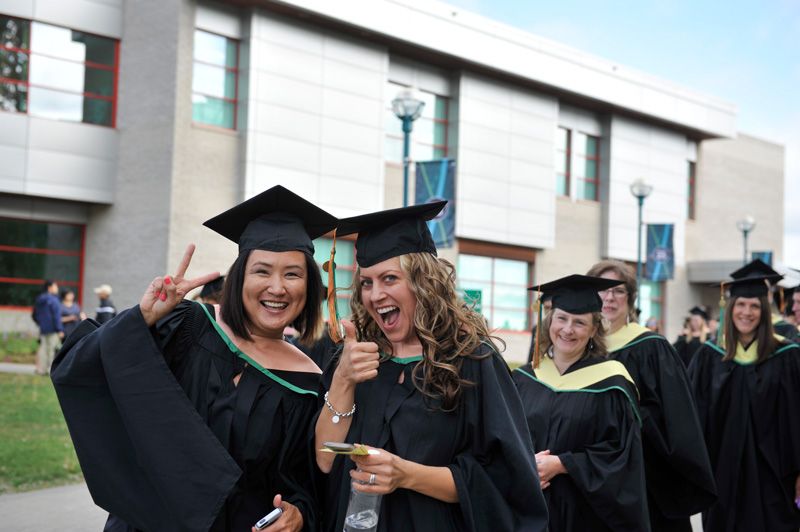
(756, 269)
(391, 233)
(576, 294)
(275, 220)
(699, 311)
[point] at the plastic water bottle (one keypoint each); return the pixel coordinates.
(362, 512)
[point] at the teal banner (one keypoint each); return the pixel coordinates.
(765, 256)
(660, 253)
(436, 181)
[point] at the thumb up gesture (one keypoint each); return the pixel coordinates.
(359, 360)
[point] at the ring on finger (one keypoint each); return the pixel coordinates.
(371, 480)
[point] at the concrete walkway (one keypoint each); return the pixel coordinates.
(8, 367)
(66, 509)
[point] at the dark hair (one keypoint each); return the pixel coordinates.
(47, 284)
(598, 348)
(626, 275)
(309, 322)
(764, 332)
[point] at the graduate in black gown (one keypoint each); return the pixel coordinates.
(695, 334)
(583, 415)
(187, 416)
(748, 387)
(680, 482)
(756, 268)
(420, 380)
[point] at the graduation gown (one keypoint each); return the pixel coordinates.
(785, 329)
(484, 442)
(749, 416)
(589, 418)
(167, 441)
(679, 479)
(686, 349)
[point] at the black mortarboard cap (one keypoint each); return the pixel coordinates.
(699, 311)
(757, 269)
(755, 286)
(576, 294)
(391, 233)
(275, 220)
(213, 287)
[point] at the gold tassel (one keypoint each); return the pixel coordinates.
(721, 326)
(538, 309)
(334, 327)
(781, 300)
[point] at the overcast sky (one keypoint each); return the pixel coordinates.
(745, 52)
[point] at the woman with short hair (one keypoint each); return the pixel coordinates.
(679, 479)
(189, 416)
(583, 416)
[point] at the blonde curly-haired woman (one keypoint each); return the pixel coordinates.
(420, 381)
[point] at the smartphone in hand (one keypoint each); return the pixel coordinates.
(268, 519)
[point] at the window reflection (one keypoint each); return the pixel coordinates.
(67, 75)
(214, 77)
(501, 286)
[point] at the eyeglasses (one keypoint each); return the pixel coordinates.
(617, 292)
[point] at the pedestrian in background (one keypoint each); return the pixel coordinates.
(105, 309)
(71, 314)
(47, 315)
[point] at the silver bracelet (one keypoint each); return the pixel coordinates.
(337, 416)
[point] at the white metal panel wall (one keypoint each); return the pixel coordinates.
(505, 186)
(102, 17)
(53, 159)
(315, 117)
(659, 156)
(438, 26)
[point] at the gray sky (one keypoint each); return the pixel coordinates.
(745, 52)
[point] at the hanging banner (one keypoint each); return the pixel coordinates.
(765, 256)
(436, 181)
(660, 254)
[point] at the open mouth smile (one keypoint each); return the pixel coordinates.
(389, 314)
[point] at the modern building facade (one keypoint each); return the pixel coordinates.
(125, 124)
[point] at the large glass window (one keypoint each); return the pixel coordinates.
(498, 288)
(215, 79)
(651, 301)
(692, 188)
(57, 73)
(563, 155)
(429, 134)
(32, 252)
(588, 182)
(345, 269)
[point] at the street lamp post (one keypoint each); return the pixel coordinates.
(407, 107)
(746, 225)
(640, 191)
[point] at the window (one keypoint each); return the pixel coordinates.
(429, 133)
(498, 287)
(651, 301)
(31, 252)
(54, 72)
(563, 154)
(589, 183)
(215, 79)
(345, 269)
(692, 189)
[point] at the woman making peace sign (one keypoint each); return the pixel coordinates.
(195, 417)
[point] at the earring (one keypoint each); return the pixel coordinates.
(591, 344)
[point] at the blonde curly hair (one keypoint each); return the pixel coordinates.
(446, 326)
